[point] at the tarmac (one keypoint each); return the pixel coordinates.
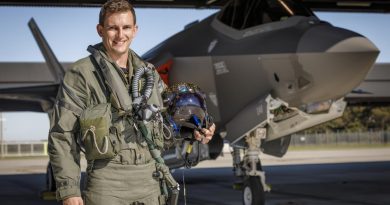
(340, 177)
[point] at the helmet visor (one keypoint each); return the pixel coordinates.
(184, 114)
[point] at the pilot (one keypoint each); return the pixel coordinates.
(90, 115)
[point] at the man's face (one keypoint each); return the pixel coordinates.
(117, 33)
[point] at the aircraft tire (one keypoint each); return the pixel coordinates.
(253, 191)
(50, 183)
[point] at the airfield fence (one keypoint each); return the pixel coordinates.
(39, 148)
(342, 138)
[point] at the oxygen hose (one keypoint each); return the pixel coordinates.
(148, 87)
(139, 102)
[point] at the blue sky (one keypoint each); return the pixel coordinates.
(70, 30)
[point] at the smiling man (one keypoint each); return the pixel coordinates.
(117, 29)
(92, 114)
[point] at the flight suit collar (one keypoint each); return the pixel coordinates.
(103, 50)
(131, 62)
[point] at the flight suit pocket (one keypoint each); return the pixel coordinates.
(157, 134)
(98, 137)
(154, 130)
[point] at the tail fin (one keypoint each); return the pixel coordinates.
(55, 67)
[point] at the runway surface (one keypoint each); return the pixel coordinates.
(365, 183)
(317, 184)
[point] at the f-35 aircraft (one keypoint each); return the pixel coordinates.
(269, 68)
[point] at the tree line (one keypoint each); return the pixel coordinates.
(357, 119)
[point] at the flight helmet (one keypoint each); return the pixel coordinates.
(186, 107)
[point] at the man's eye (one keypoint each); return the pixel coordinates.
(110, 28)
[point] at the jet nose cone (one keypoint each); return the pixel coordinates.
(327, 38)
(355, 45)
(335, 60)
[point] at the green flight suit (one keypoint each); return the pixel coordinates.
(126, 178)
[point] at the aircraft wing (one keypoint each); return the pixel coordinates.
(38, 98)
(316, 5)
(27, 86)
(375, 87)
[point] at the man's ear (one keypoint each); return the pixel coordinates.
(135, 30)
(99, 29)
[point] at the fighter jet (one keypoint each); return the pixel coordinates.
(269, 68)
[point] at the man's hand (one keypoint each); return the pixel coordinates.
(205, 135)
(73, 201)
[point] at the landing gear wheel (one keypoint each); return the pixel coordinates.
(253, 192)
(50, 183)
(50, 190)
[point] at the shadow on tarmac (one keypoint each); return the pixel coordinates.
(340, 184)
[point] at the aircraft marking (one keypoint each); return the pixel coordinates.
(213, 98)
(220, 68)
(259, 109)
(212, 45)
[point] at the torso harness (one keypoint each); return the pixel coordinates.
(140, 112)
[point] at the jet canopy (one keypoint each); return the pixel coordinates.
(245, 14)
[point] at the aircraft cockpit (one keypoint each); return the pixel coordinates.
(245, 14)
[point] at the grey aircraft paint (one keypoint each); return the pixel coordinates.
(299, 59)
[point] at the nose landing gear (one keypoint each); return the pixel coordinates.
(253, 192)
(249, 169)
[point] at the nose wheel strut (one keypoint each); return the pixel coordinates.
(248, 168)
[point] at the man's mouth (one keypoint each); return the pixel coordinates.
(119, 43)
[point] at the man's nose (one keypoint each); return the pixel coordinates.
(120, 33)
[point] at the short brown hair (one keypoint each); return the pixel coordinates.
(114, 6)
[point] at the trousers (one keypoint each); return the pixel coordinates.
(119, 182)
